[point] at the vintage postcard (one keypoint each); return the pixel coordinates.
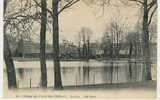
(80, 49)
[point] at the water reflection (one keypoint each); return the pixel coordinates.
(21, 72)
(84, 74)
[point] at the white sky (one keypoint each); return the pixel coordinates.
(80, 15)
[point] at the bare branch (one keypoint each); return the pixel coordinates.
(25, 9)
(150, 5)
(137, 1)
(151, 16)
(38, 4)
(72, 2)
(21, 16)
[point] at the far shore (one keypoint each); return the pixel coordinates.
(132, 60)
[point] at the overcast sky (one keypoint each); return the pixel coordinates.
(81, 15)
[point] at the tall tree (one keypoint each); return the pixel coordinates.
(18, 23)
(85, 34)
(115, 33)
(146, 47)
(43, 43)
(57, 71)
(56, 10)
(8, 56)
(149, 8)
(55, 25)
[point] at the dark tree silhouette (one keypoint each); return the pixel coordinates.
(57, 71)
(43, 43)
(55, 25)
(149, 8)
(11, 75)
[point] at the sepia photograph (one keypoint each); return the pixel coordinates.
(80, 49)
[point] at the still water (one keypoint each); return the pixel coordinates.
(79, 73)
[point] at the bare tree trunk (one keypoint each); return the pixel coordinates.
(57, 71)
(130, 50)
(11, 75)
(146, 50)
(85, 51)
(111, 62)
(43, 44)
(88, 49)
(20, 48)
(79, 50)
(9, 64)
(130, 54)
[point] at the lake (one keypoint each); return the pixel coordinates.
(79, 73)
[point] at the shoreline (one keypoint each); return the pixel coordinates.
(143, 91)
(151, 85)
(97, 59)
